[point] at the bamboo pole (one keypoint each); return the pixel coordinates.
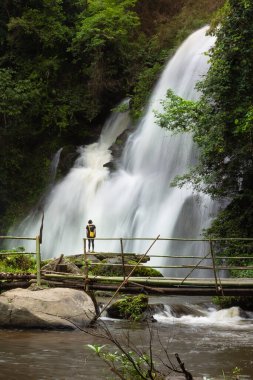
(153, 280)
(16, 253)
(16, 276)
(197, 266)
(17, 238)
(159, 281)
(122, 257)
(38, 259)
(178, 239)
(189, 291)
(15, 284)
(125, 280)
(214, 268)
(218, 288)
(110, 254)
(86, 266)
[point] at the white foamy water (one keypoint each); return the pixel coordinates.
(231, 318)
(136, 200)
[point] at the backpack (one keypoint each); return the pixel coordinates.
(91, 230)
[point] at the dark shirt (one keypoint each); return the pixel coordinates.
(91, 231)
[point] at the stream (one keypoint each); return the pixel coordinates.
(207, 341)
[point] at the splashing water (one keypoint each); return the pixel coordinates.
(136, 200)
(197, 315)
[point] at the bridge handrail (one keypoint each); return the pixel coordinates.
(178, 257)
(177, 239)
(37, 253)
(18, 238)
(215, 267)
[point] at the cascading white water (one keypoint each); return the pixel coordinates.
(54, 165)
(233, 317)
(136, 200)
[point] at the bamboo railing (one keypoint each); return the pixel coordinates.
(215, 264)
(37, 252)
(210, 261)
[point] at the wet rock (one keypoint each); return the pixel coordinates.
(180, 310)
(130, 307)
(61, 265)
(56, 308)
(156, 308)
(113, 260)
(92, 258)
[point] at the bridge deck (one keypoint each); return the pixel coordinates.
(189, 286)
(162, 285)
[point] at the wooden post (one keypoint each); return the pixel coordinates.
(126, 279)
(38, 259)
(86, 266)
(122, 256)
(214, 266)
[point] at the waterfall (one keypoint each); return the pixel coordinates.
(137, 199)
(54, 166)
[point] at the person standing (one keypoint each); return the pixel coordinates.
(91, 234)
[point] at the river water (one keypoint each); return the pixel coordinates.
(208, 345)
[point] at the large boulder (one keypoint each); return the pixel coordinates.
(55, 308)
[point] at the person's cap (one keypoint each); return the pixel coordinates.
(90, 221)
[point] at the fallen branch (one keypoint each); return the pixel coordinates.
(16, 276)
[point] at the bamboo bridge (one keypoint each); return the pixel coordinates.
(212, 269)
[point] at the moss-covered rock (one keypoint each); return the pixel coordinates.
(62, 265)
(112, 266)
(129, 307)
(244, 302)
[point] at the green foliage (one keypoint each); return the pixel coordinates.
(106, 23)
(225, 302)
(142, 89)
(180, 115)
(106, 270)
(127, 365)
(132, 307)
(109, 270)
(106, 37)
(221, 122)
(15, 95)
(224, 110)
(44, 27)
(177, 21)
(63, 65)
(130, 362)
(143, 271)
(19, 263)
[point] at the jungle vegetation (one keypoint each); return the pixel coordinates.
(221, 122)
(63, 65)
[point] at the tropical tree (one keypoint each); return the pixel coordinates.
(222, 121)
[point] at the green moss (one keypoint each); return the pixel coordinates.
(106, 270)
(114, 271)
(19, 263)
(78, 261)
(132, 307)
(143, 271)
(246, 303)
(45, 262)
